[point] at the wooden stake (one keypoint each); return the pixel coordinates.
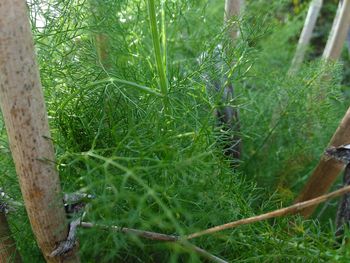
(327, 169)
(8, 251)
(339, 32)
(233, 9)
(305, 37)
(23, 108)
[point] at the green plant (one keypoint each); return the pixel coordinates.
(166, 172)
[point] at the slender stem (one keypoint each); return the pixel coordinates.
(156, 237)
(141, 233)
(293, 209)
(160, 64)
(164, 44)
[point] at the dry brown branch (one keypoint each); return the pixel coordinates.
(202, 252)
(156, 237)
(327, 169)
(25, 117)
(141, 233)
(293, 209)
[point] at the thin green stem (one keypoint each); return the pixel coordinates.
(160, 63)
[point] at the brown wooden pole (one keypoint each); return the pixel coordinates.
(8, 251)
(24, 112)
(306, 34)
(327, 170)
(339, 32)
(233, 9)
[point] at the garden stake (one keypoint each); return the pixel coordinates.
(339, 32)
(306, 34)
(26, 121)
(327, 169)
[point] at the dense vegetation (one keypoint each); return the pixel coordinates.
(148, 146)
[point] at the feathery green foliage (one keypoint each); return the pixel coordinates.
(139, 131)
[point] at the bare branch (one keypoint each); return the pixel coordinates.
(136, 232)
(156, 237)
(293, 209)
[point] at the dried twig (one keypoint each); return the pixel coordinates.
(202, 252)
(136, 232)
(157, 237)
(293, 209)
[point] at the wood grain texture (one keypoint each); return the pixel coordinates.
(24, 111)
(327, 169)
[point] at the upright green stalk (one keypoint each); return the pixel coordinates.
(164, 37)
(160, 63)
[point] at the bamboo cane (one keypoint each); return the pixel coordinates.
(25, 117)
(233, 8)
(327, 169)
(305, 37)
(339, 32)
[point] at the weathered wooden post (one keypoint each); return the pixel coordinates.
(305, 37)
(23, 108)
